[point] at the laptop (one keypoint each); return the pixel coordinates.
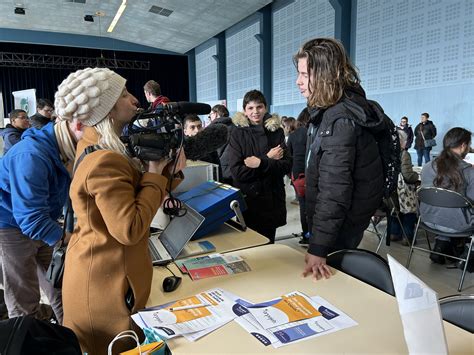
(419, 310)
(167, 245)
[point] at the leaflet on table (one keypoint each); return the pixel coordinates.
(217, 311)
(190, 261)
(215, 265)
(196, 248)
(288, 308)
(329, 320)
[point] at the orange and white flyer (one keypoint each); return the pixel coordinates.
(327, 319)
(205, 311)
(289, 308)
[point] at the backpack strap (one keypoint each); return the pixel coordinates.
(87, 150)
(69, 213)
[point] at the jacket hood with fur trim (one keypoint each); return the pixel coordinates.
(271, 121)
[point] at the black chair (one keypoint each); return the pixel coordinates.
(365, 266)
(388, 209)
(458, 310)
(439, 197)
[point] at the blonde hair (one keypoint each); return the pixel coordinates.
(330, 71)
(110, 140)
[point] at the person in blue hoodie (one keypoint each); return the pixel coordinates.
(11, 134)
(34, 185)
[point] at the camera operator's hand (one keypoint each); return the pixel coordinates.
(275, 153)
(158, 166)
(165, 166)
(180, 164)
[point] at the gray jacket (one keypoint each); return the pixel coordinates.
(458, 219)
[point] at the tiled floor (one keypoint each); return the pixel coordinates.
(439, 277)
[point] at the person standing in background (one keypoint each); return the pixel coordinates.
(408, 130)
(423, 131)
(219, 111)
(297, 150)
(153, 95)
(258, 161)
(11, 134)
(220, 114)
(44, 113)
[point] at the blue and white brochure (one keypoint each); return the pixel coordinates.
(329, 320)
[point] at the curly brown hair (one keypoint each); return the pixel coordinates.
(330, 71)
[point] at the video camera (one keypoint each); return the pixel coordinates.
(154, 134)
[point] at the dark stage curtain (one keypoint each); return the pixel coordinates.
(170, 71)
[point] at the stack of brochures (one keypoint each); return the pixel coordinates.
(191, 317)
(281, 321)
(290, 318)
(212, 265)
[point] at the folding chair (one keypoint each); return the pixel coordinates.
(440, 197)
(388, 209)
(458, 310)
(365, 266)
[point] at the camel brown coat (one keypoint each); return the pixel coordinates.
(108, 253)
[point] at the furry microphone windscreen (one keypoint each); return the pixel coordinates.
(207, 141)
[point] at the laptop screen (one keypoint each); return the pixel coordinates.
(180, 231)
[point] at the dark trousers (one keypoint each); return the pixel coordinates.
(423, 153)
(24, 263)
(303, 220)
(266, 232)
(408, 223)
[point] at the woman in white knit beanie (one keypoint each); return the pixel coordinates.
(108, 269)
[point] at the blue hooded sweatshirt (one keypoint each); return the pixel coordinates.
(11, 136)
(34, 185)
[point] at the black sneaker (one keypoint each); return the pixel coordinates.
(441, 246)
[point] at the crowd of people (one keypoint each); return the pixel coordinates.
(72, 149)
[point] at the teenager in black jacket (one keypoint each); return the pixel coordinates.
(344, 178)
(423, 131)
(258, 161)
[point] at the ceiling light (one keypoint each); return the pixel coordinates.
(19, 10)
(117, 15)
(89, 18)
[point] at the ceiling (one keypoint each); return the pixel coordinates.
(191, 23)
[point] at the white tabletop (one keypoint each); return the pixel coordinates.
(276, 271)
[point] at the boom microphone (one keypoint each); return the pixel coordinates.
(205, 142)
(181, 108)
(184, 107)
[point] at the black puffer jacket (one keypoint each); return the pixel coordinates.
(226, 175)
(297, 147)
(429, 131)
(344, 178)
(263, 187)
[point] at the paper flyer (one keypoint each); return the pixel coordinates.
(206, 312)
(305, 317)
(329, 320)
(290, 308)
(214, 265)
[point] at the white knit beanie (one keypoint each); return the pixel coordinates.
(88, 95)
